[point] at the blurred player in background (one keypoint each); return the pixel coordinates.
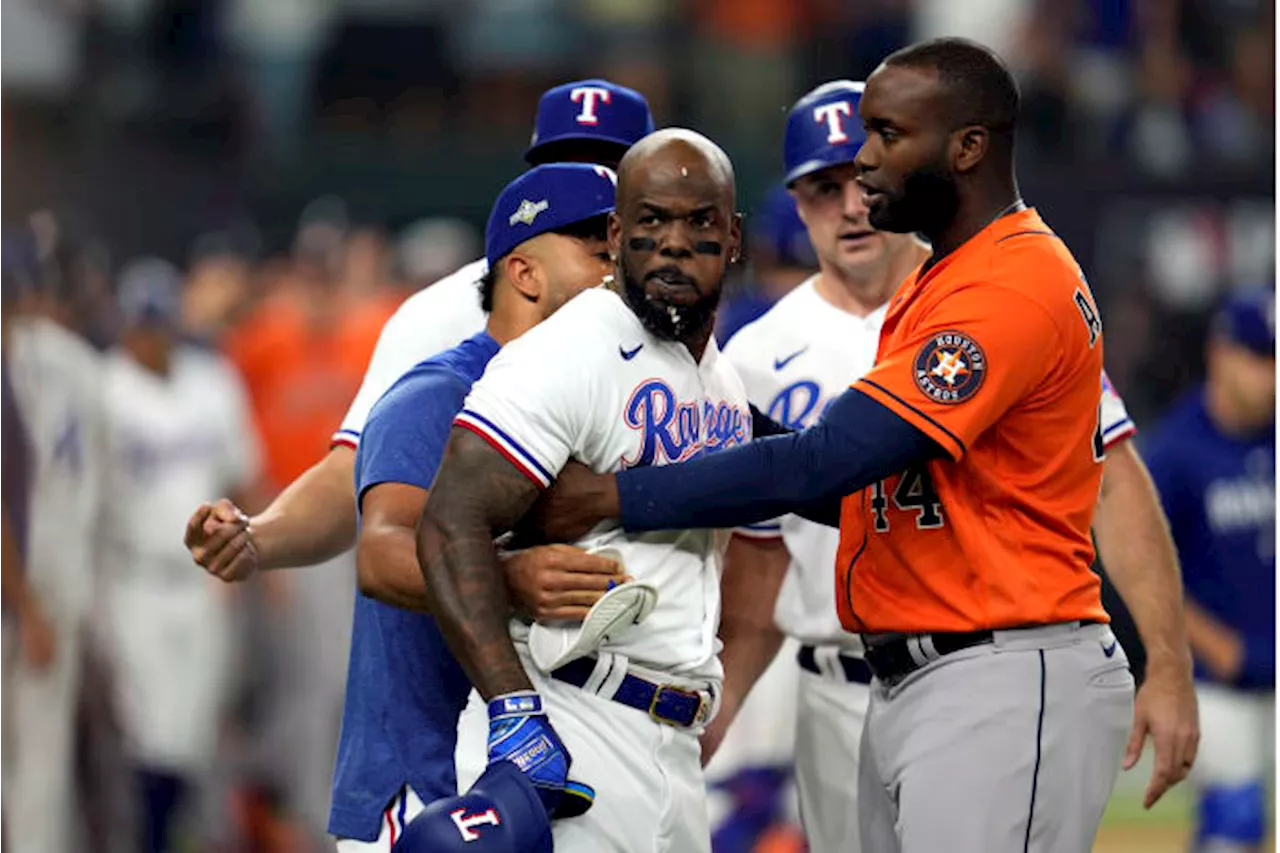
(313, 519)
(57, 385)
(793, 361)
(405, 691)
(179, 432)
(1213, 460)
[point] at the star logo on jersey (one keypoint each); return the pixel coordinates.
(527, 212)
(950, 367)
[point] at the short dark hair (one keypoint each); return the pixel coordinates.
(487, 283)
(982, 89)
(595, 228)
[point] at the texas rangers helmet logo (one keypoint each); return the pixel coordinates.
(528, 211)
(589, 96)
(950, 367)
(467, 823)
(831, 114)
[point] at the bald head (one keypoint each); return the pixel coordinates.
(677, 160)
(675, 231)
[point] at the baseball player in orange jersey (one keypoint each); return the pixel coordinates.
(968, 461)
(777, 578)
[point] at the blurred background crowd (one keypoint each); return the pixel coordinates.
(298, 167)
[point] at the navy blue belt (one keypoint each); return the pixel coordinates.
(856, 670)
(896, 659)
(673, 706)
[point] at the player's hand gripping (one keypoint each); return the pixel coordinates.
(558, 582)
(220, 539)
(1165, 709)
(520, 732)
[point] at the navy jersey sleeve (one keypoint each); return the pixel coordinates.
(404, 439)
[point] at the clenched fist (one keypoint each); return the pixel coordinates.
(220, 539)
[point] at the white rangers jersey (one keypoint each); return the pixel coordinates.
(57, 383)
(429, 322)
(592, 384)
(174, 441)
(794, 360)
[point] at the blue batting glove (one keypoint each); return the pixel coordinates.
(520, 732)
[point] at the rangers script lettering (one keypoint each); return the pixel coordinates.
(676, 431)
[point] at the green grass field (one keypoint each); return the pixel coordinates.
(1128, 828)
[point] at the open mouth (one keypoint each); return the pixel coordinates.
(856, 237)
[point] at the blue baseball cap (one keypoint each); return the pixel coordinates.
(502, 813)
(1248, 318)
(777, 230)
(150, 293)
(589, 110)
(823, 129)
(547, 198)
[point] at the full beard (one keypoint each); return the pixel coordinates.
(927, 203)
(666, 320)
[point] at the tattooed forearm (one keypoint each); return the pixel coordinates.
(477, 495)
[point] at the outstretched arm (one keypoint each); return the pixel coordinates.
(477, 495)
(856, 442)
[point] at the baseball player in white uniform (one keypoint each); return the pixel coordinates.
(621, 377)
(179, 431)
(804, 352)
(313, 519)
(57, 383)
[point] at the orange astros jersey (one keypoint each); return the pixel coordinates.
(995, 353)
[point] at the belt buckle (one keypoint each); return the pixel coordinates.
(658, 717)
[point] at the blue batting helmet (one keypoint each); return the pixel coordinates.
(590, 111)
(823, 129)
(502, 813)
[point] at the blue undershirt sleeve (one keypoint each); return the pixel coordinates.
(404, 438)
(855, 443)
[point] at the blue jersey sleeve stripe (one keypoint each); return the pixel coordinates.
(348, 437)
(1123, 423)
(501, 442)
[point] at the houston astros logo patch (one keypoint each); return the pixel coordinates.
(950, 367)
